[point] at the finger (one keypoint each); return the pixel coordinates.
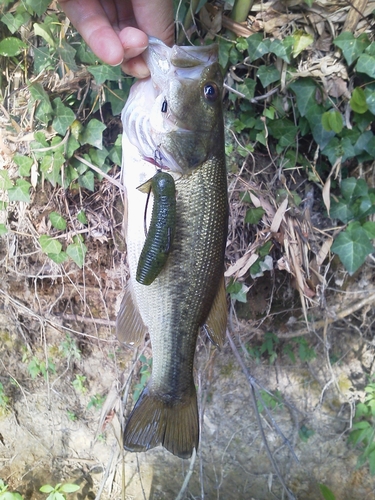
(155, 18)
(92, 22)
(136, 67)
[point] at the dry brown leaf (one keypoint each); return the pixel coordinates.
(326, 194)
(279, 216)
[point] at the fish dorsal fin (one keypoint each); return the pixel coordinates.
(216, 323)
(130, 328)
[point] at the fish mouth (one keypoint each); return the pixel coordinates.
(159, 120)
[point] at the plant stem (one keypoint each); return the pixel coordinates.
(241, 10)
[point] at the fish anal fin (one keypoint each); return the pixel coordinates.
(156, 421)
(216, 323)
(130, 328)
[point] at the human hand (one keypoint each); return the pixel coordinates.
(117, 30)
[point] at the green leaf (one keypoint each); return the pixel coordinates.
(301, 41)
(351, 47)
(57, 221)
(87, 180)
(305, 91)
(366, 64)
(11, 46)
(81, 216)
(352, 246)
(332, 120)
(258, 46)
(46, 488)
(5, 182)
(67, 54)
(24, 162)
(268, 74)
(45, 32)
(370, 99)
(93, 133)
(369, 227)
(69, 488)
(326, 492)
(3, 229)
(282, 48)
(77, 251)
(20, 192)
(358, 100)
(352, 188)
(104, 72)
(253, 215)
(13, 23)
(247, 88)
(58, 257)
(237, 291)
(49, 245)
(64, 117)
(314, 117)
(38, 6)
(117, 98)
(341, 210)
(38, 93)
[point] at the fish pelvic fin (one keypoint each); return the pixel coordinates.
(130, 328)
(155, 421)
(216, 324)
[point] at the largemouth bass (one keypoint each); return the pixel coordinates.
(173, 121)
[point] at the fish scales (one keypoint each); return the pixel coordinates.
(188, 292)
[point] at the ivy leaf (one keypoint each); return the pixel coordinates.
(301, 41)
(237, 291)
(366, 64)
(352, 246)
(38, 6)
(13, 23)
(59, 258)
(351, 46)
(117, 98)
(93, 133)
(11, 46)
(247, 88)
(257, 46)
(282, 48)
(314, 117)
(341, 210)
(20, 192)
(64, 117)
(81, 216)
(358, 100)
(57, 221)
(253, 215)
(67, 54)
(49, 245)
(24, 162)
(369, 227)
(38, 93)
(87, 180)
(104, 72)
(305, 91)
(5, 182)
(77, 251)
(268, 74)
(351, 188)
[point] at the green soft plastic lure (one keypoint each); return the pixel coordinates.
(162, 227)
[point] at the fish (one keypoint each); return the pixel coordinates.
(160, 236)
(173, 121)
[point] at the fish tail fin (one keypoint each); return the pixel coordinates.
(155, 421)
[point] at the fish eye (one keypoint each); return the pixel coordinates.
(211, 91)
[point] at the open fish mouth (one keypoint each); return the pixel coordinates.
(160, 122)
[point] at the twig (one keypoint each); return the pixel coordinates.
(100, 172)
(188, 476)
(254, 402)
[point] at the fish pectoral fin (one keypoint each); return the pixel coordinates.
(216, 323)
(154, 422)
(130, 328)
